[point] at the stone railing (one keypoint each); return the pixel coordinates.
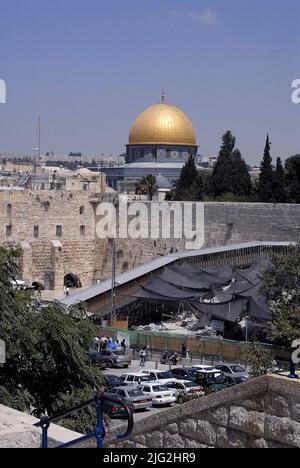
(263, 413)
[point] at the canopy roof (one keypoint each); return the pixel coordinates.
(227, 293)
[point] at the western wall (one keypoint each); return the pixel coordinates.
(57, 233)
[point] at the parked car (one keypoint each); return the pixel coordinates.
(212, 381)
(160, 394)
(112, 381)
(157, 375)
(99, 360)
(182, 387)
(134, 397)
(114, 410)
(203, 367)
(231, 381)
(233, 370)
(185, 373)
(134, 378)
(117, 357)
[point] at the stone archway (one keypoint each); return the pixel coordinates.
(72, 281)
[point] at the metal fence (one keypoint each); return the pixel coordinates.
(198, 348)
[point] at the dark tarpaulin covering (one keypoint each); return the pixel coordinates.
(243, 293)
(158, 289)
(258, 306)
(218, 296)
(230, 311)
(254, 273)
(179, 278)
(225, 273)
(238, 287)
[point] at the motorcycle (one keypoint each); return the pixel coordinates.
(169, 358)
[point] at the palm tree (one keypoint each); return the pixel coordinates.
(147, 186)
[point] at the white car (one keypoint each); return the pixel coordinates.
(161, 395)
(134, 378)
(185, 386)
(207, 369)
(158, 376)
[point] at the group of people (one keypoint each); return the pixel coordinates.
(109, 343)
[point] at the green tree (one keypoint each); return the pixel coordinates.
(47, 358)
(241, 180)
(189, 186)
(267, 177)
(280, 189)
(281, 285)
(292, 167)
(259, 359)
(147, 186)
(230, 174)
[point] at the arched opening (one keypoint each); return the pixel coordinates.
(72, 281)
(81, 210)
(9, 209)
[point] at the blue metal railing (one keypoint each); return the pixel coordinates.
(99, 433)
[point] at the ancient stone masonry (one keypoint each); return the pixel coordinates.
(264, 413)
(57, 233)
(46, 226)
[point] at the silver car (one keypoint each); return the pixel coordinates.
(134, 397)
(233, 370)
(116, 357)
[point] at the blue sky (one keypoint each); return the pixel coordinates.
(90, 67)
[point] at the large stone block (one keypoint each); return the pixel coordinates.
(206, 433)
(278, 405)
(218, 416)
(250, 422)
(154, 440)
(173, 441)
(188, 428)
(283, 430)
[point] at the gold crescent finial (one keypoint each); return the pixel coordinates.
(163, 96)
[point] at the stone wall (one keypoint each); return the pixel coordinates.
(90, 258)
(263, 413)
(17, 431)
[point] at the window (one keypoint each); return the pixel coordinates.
(36, 232)
(58, 231)
(9, 230)
(82, 231)
(9, 210)
(81, 210)
(85, 188)
(46, 206)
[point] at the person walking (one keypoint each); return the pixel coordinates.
(123, 344)
(143, 356)
(183, 351)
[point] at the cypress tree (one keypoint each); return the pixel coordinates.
(280, 189)
(230, 174)
(292, 167)
(221, 181)
(185, 187)
(241, 179)
(266, 182)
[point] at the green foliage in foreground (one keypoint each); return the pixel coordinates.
(48, 369)
(282, 287)
(259, 359)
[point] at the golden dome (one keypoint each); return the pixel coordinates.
(162, 124)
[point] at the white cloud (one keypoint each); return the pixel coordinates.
(207, 16)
